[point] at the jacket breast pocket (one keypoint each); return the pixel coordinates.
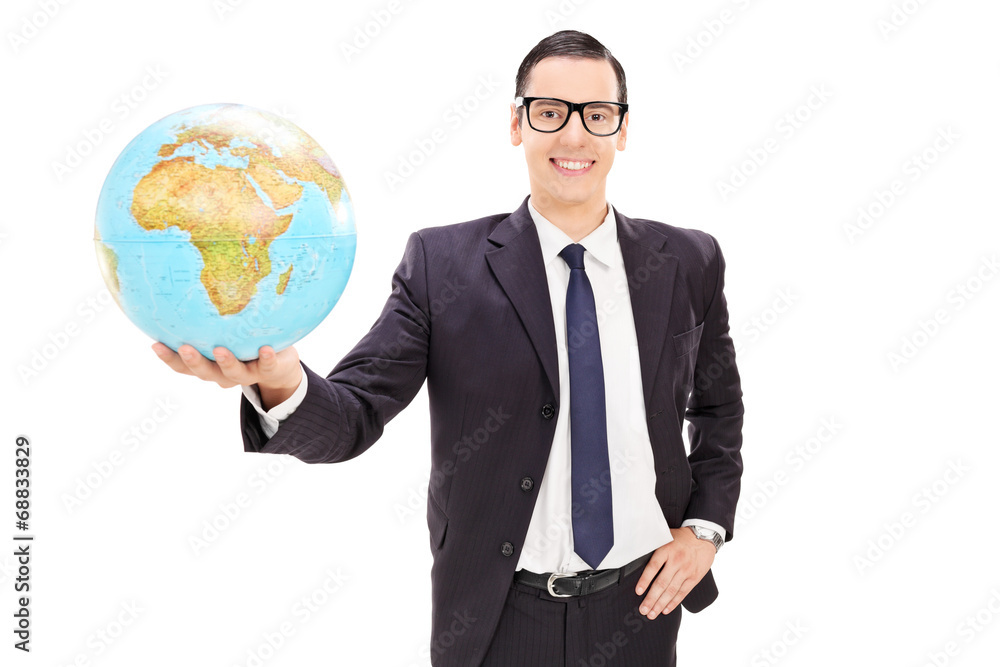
(686, 341)
(437, 524)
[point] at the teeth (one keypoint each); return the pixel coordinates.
(574, 166)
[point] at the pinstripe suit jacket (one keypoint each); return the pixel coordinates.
(470, 312)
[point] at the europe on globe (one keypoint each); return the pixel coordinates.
(225, 225)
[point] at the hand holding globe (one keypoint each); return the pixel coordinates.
(276, 374)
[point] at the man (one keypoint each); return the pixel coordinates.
(563, 345)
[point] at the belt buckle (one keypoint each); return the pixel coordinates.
(553, 577)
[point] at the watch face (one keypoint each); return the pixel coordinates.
(710, 535)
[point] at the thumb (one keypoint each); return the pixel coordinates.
(267, 361)
(278, 368)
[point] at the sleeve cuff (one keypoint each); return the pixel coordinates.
(271, 419)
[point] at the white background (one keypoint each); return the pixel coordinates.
(816, 311)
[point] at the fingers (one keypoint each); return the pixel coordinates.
(171, 358)
(666, 587)
(652, 567)
(682, 592)
(276, 369)
(226, 372)
(231, 370)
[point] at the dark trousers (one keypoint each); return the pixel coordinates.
(597, 630)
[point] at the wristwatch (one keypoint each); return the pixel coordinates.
(710, 535)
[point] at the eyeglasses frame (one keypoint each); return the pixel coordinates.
(573, 106)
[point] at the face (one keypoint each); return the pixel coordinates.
(556, 187)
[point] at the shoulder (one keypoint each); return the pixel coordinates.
(692, 246)
(458, 236)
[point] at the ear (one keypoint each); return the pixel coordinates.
(515, 127)
(622, 132)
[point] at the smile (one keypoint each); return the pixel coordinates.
(572, 166)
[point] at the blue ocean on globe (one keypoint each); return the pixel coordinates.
(224, 225)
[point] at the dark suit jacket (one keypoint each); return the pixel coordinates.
(470, 312)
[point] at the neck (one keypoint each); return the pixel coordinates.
(575, 220)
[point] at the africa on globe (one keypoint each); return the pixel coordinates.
(224, 225)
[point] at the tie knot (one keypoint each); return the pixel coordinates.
(573, 254)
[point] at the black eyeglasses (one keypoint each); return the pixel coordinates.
(549, 114)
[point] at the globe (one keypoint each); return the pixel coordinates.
(224, 225)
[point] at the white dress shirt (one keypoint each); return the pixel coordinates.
(639, 524)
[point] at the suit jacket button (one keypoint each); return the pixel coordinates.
(548, 411)
(527, 483)
(507, 549)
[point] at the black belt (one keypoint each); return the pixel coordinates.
(570, 584)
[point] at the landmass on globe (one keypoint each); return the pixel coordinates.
(214, 203)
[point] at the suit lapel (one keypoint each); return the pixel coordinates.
(650, 270)
(517, 264)
(516, 261)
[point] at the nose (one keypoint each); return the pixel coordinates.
(574, 133)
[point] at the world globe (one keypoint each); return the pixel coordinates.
(224, 225)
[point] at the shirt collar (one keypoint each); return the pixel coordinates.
(602, 243)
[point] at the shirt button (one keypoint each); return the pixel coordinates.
(548, 411)
(507, 549)
(527, 483)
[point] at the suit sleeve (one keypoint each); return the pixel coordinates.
(343, 414)
(715, 412)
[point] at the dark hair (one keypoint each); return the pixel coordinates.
(571, 44)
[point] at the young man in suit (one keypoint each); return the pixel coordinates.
(566, 518)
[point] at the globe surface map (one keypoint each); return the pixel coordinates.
(224, 225)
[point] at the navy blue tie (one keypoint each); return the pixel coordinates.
(593, 527)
